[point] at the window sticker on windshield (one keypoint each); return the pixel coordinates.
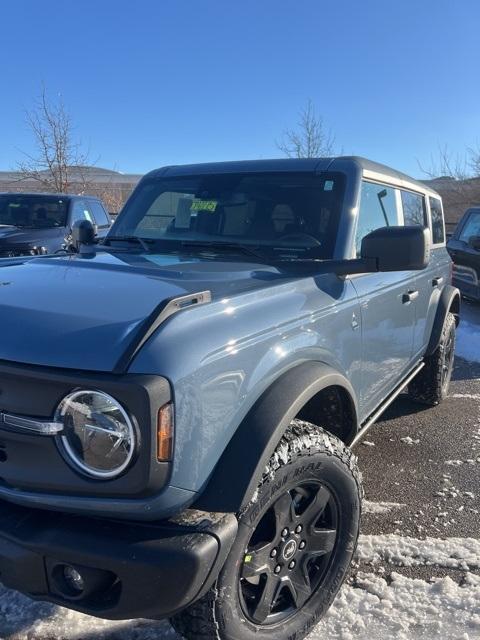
(204, 205)
(328, 186)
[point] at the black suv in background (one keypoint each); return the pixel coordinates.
(35, 224)
(464, 249)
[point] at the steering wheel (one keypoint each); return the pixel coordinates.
(301, 236)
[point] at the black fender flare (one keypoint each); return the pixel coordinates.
(240, 468)
(449, 301)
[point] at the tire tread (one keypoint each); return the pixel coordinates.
(426, 387)
(301, 438)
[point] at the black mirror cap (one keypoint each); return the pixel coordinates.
(474, 242)
(83, 232)
(398, 248)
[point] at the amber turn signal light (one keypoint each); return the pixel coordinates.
(165, 433)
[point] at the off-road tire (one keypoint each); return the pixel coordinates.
(431, 385)
(305, 454)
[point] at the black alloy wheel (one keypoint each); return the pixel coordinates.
(288, 554)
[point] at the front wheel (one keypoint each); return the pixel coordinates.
(295, 542)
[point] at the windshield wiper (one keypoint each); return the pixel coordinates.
(227, 246)
(132, 239)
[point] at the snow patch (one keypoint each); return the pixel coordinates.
(460, 553)
(469, 396)
(380, 507)
(368, 443)
(405, 609)
(468, 341)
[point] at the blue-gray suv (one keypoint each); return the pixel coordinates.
(178, 401)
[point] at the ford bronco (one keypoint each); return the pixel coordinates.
(39, 223)
(178, 402)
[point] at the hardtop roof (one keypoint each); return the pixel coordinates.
(315, 165)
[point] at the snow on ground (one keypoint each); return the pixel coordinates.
(468, 341)
(460, 553)
(405, 609)
(369, 607)
(380, 507)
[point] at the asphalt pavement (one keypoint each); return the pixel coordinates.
(425, 462)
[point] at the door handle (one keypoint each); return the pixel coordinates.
(409, 297)
(436, 282)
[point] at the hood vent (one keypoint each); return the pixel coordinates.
(166, 309)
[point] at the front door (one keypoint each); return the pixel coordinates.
(387, 304)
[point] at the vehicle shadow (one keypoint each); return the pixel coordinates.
(404, 406)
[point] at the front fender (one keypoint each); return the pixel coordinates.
(239, 470)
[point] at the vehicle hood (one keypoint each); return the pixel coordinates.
(83, 312)
(13, 236)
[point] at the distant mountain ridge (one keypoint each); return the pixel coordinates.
(114, 188)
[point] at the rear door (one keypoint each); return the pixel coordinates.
(431, 280)
(387, 311)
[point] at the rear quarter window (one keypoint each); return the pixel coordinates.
(438, 228)
(414, 212)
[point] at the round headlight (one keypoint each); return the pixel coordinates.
(98, 436)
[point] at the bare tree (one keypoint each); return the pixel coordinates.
(445, 164)
(474, 160)
(57, 155)
(454, 174)
(309, 139)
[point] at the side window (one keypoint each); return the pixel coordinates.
(471, 227)
(438, 230)
(378, 208)
(80, 211)
(414, 212)
(99, 213)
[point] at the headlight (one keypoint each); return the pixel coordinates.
(98, 436)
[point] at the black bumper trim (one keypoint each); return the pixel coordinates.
(152, 570)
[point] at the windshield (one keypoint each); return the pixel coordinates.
(37, 212)
(283, 214)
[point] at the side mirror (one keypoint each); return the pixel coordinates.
(83, 232)
(474, 242)
(397, 248)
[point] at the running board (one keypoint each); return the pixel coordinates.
(374, 417)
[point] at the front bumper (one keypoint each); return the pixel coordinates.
(130, 570)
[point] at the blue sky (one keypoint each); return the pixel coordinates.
(175, 81)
